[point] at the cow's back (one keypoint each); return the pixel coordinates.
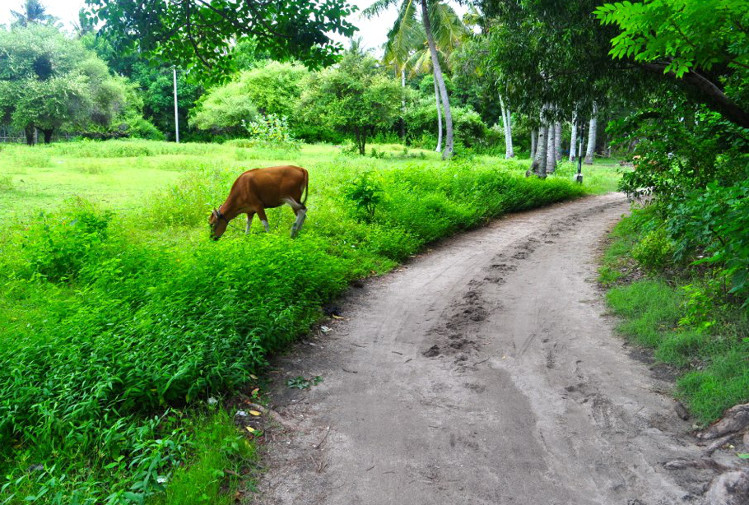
(270, 185)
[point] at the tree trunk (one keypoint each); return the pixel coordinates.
(573, 136)
(507, 122)
(534, 138)
(403, 104)
(439, 118)
(558, 141)
(361, 140)
(47, 135)
(29, 131)
(539, 162)
(448, 152)
(592, 137)
(551, 156)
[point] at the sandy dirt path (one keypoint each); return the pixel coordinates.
(483, 372)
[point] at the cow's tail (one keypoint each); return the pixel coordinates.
(306, 188)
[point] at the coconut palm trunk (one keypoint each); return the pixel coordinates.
(403, 104)
(551, 157)
(448, 151)
(534, 138)
(539, 162)
(592, 137)
(558, 141)
(439, 118)
(573, 136)
(506, 119)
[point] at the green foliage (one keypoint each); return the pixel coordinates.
(50, 82)
(366, 192)
(196, 34)
(655, 251)
(220, 455)
(303, 383)
(714, 223)
(274, 88)
(657, 29)
(685, 319)
(705, 45)
(355, 98)
(223, 109)
(421, 120)
(271, 131)
(113, 325)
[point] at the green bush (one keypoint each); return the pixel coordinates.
(655, 251)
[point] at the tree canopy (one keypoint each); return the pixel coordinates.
(705, 44)
(48, 81)
(356, 97)
(198, 33)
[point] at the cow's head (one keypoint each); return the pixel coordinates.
(218, 223)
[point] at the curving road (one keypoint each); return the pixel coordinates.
(483, 372)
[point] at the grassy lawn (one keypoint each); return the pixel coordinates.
(119, 319)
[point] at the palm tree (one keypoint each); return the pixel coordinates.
(441, 24)
(32, 12)
(402, 40)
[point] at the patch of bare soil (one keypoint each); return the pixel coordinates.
(484, 372)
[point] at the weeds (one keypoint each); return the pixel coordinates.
(683, 315)
(116, 324)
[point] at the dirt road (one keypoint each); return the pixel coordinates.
(483, 372)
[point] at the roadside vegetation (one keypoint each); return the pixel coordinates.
(121, 318)
(121, 323)
(687, 315)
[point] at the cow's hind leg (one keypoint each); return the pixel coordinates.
(301, 213)
(263, 218)
(250, 215)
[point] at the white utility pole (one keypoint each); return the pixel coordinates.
(176, 116)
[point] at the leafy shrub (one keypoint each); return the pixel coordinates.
(57, 247)
(714, 223)
(271, 131)
(655, 251)
(421, 125)
(366, 192)
(140, 128)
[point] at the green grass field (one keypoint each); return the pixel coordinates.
(119, 317)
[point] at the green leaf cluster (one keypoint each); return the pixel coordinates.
(356, 97)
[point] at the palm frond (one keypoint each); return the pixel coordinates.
(378, 8)
(406, 35)
(447, 27)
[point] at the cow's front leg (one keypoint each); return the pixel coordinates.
(263, 218)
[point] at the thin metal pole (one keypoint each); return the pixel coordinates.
(176, 115)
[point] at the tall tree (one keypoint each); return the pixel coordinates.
(49, 81)
(32, 12)
(507, 125)
(356, 97)
(592, 133)
(573, 136)
(442, 28)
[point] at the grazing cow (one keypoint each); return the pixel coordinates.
(260, 189)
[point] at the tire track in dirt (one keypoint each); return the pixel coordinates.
(482, 372)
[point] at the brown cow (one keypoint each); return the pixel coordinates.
(260, 189)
